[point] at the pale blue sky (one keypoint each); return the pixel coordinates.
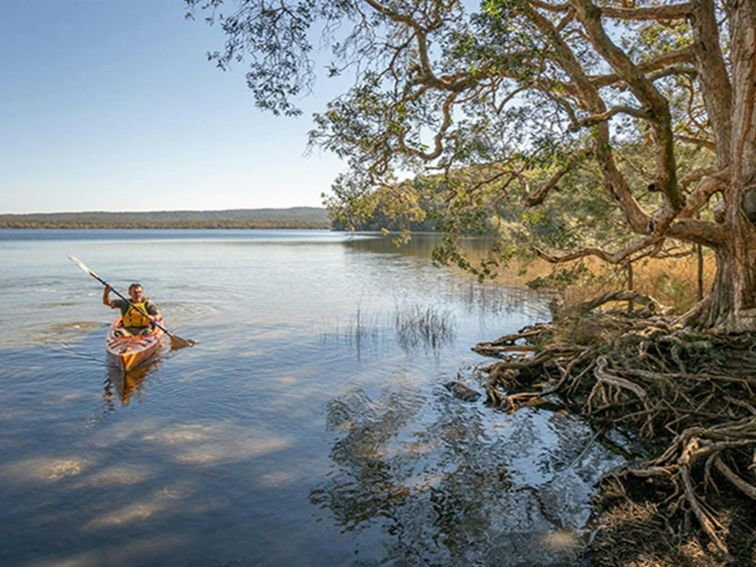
(112, 105)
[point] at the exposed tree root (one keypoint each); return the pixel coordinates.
(690, 394)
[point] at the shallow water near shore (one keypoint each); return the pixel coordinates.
(309, 426)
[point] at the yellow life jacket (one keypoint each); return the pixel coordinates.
(133, 318)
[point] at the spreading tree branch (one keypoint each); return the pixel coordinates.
(645, 247)
(647, 94)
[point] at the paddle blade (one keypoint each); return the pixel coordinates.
(178, 342)
(86, 269)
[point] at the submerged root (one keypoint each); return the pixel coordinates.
(689, 394)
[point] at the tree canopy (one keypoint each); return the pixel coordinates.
(617, 126)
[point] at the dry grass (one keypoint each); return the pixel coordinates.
(635, 533)
(627, 523)
(671, 281)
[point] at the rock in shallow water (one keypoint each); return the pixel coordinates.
(461, 391)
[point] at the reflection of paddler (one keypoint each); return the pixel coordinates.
(138, 316)
(127, 383)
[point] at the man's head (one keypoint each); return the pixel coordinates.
(136, 292)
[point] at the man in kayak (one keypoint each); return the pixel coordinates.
(134, 322)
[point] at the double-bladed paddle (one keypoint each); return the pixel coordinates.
(176, 341)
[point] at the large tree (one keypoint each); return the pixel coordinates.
(524, 84)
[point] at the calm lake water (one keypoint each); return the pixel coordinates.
(310, 426)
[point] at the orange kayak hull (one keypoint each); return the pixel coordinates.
(129, 352)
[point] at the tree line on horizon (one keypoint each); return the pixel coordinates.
(294, 218)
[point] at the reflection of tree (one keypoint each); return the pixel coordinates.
(365, 487)
(420, 245)
(488, 299)
(441, 490)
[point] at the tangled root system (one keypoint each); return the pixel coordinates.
(689, 394)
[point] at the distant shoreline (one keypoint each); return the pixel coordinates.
(180, 226)
(291, 218)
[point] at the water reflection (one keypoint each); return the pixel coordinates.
(121, 386)
(486, 300)
(457, 484)
(420, 245)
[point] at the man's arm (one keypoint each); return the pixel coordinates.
(106, 297)
(152, 309)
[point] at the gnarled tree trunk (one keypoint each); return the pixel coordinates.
(731, 303)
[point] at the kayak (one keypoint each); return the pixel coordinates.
(131, 351)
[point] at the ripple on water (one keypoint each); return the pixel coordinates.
(59, 332)
(190, 311)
